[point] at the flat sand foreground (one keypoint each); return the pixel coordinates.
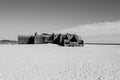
(52, 62)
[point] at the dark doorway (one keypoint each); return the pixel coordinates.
(57, 40)
(73, 39)
(31, 40)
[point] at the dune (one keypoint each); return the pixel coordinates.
(52, 62)
(97, 32)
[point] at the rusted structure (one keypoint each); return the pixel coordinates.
(60, 39)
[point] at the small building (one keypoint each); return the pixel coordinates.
(25, 39)
(68, 40)
(72, 40)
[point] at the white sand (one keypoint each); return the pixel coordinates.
(52, 62)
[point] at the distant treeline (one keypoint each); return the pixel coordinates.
(8, 42)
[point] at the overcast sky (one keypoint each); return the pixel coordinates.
(29, 16)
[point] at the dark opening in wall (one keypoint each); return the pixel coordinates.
(73, 39)
(31, 40)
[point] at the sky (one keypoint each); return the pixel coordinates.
(106, 32)
(18, 17)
